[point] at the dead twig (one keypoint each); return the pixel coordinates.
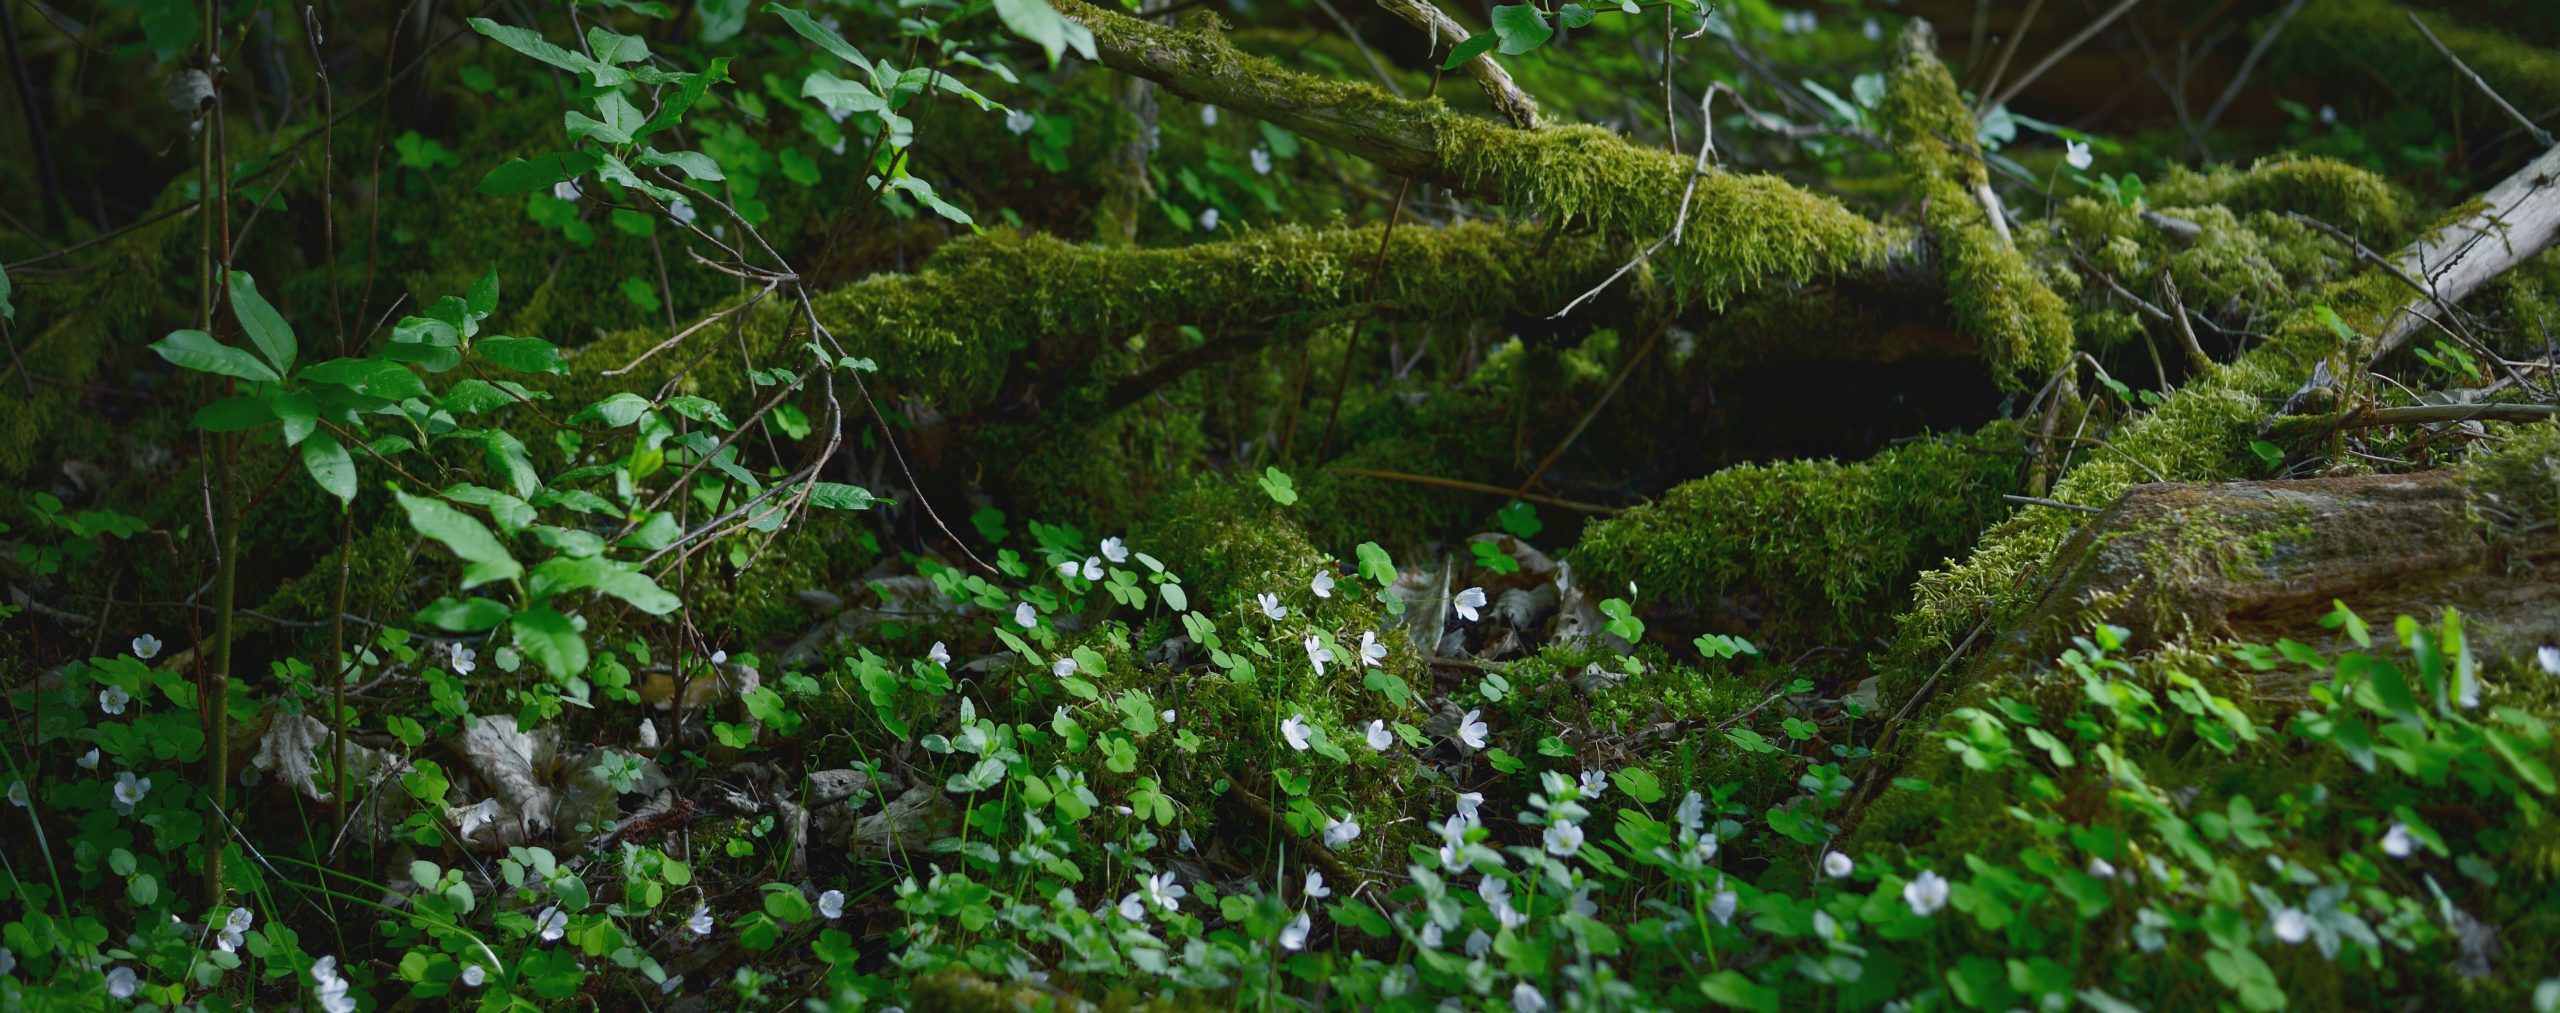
(2539, 135)
(2068, 46)
(1466, 486)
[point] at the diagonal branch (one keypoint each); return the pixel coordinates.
(1507, 98)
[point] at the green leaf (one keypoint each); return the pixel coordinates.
(380, 378)
(1475, 46)
(232, 414)
(825, 37)
(699, 409)
(618, 579)
(522, 175)
(196, 350)
(694, 164)
(470, 615)
(689, 90)
(552, 639)
(1522, 27)
(524, 355)
(619, 119)
(923, 191)
(617, 411)
(483, 299)
(531, 43)
(841, 95)
(266, 327)
(1279, 486)
(839, 496)
(7, 311)
(614, 47)
(485, 558)
(1575, 15)
(330, 466)
(1037, 21)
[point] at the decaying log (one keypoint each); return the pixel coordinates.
(2517, 219)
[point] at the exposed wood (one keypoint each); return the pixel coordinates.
(2518, 218)
(1507, 98)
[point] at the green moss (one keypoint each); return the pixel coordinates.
(2357, 43)
(2023, 327)
(1820, 551)
(2332, 191)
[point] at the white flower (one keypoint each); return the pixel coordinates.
(1872, 30)
(1261, 161)
(1024, 617)
(1706, 848)
(1271, 607)
(1525, 999)
(2077, 154)
(831, 904)
(2328, 114)
(234, 927)
(1208, 115)
(1495, 890)
(1133, 908)
(474, 816)
(1167, 715)
(120, 982)
(330, 989)
(474, 976)
(1208, 219)
(1092, 568)
(1163, 892)
(1062, 668)
(1563, 839)
(1322, 585)
(88, 760)
(1017, 121)
(1371, 651)
(1721, 908)
(464, 659)
(1432, 935)
(682, 211)
(1468, 602)
(8, 961)
(1379, 737)
(1317, 653)
(1452, 834)
(1594, 782)
(2398, 842)
(564, 190)
(1115, 550)
(1293, 936)
(1315, 888)
(1467, 803)
(2101, 868)
(2290, 925)
(1067, 569)
(1478, 943)
(1338, 832)
(1926, 894)
(2549, 656)
(1295, 731)
(554, 923)
(939, 655)
(18, 794)
(1472, 729)
(1836, 865)
(112, 699)
(130, 790)
(1185, 844)
(700, 920)
(146, 647)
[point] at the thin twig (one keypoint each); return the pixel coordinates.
(2540, 136)
(1466, 486)
(1679, 221)
(2068, 46)
(2053, 503)
(2266, 41)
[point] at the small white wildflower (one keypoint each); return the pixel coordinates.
(1024, 617)
(939, 655)
(700, 920)
(1271, 607)
(1525, 999)
(2077, 154)
(1322, 585)
(1478, 942)
(1315, 888)
(565, 190)
(1468, 602)
(146, 647)
(1093, 568)
(1372, 653)
(1293, 936)
(329, 988)
(1167, 715)
(2328, 114)
(1185, 844)
(1208, 115)
(1062, 668)
(1261, 161)
(1872, 29)
(235, 928)
(2398, 842)
(1018, 121)
(1722, 907)
(1472, 729)
(1836, 865)
(1706, 848)
(1067, 569)
(719, 657)
(112, 699)
(1594, 782)
(1338, 832)
(1317, 653)
(1208, 219)
(18, 793)
(2549, 656)
(88, 760)
(1495, 890)
(554, 923)
(1467, 803)
(1926, 893)
(1563, 839)
(831, 904)
(474, 976)
(1379, 737)
(682, 211)
(1163, 892)
(474, 817)
(1432, 935)
(1132, 908)
(2291, 925)
(1295, 731)
(2101, 868)
(130, 790)
(1115, 550)
(121, 982)
(464, 659)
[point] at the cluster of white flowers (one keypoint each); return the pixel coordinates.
(329, 988)
(235, 928)
(1798, 22)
